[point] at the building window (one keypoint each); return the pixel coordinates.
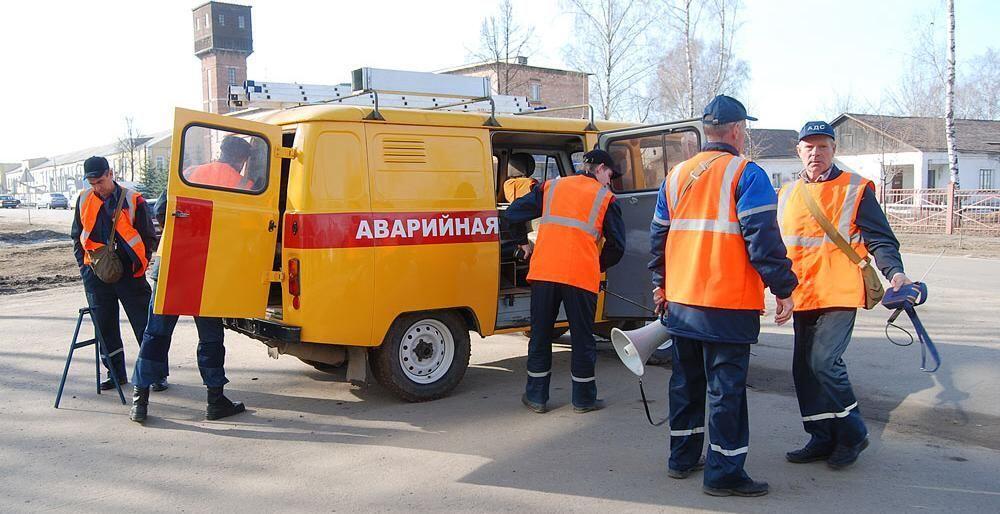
(535, 91)
(232, 75)
(222, 20)
(208, 21)
(197, 24)
(161, 163)
(242, 24)
(931, 179)
(985, 179)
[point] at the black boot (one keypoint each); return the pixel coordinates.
(140, 402)
(219, 406)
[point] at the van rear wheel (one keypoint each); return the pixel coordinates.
(423, 356)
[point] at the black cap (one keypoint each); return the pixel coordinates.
(725, 109)
(602, 157)
(95, 167)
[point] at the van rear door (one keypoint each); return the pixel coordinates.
(644, 155)
(218, 244)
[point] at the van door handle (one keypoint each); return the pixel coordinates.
(271, 225)
(181, 214)
(633, 200)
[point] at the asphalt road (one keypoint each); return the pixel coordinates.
(311, 442)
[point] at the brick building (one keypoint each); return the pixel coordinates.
(223, 40)
(548, 87)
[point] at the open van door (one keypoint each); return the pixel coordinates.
(218, 244)
(644, 155)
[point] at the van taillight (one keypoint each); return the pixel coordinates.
(294, 285)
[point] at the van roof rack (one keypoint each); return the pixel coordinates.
(375, 88)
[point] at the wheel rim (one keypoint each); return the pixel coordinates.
(426, 351)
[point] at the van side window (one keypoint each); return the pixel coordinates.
(220, 159)
(645, 160)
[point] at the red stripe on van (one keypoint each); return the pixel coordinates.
(354, 230)
(188, 257)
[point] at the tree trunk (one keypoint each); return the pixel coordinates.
(687, 54)
(949, 106)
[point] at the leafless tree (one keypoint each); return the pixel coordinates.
(949, 110)
(611, 43)
(979, 93)
(130, 146)
(501, 41)
(701, 62)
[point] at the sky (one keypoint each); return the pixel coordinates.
(70, 72)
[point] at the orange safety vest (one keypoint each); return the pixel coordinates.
(827, 277)
(707, 264)
(515, 188)
(218, 173)
(91, 205)
(569, 232)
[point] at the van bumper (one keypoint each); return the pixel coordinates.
(264, 330)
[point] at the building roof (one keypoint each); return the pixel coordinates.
(927, 134)
(484, 64)
(81, 155)
(773, 143)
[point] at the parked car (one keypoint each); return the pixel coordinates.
(53, 201)
(9, 202)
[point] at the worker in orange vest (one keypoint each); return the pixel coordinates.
(224, 172)
(567, 260)
(520, 166)
(135, 239)
(830, 291)
(715, 246)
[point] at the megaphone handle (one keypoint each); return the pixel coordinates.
(645, 405)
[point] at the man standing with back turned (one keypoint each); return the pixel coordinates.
(576, 212)
(715, 245)
(832, 289)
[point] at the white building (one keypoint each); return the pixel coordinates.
(774, 151)
(911, 153)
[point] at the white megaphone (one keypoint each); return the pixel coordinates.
(635, 346)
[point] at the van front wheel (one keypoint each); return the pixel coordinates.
(423, 356)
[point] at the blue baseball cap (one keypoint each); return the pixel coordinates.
(725, 109)
(816, 128)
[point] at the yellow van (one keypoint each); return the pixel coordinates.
(348, 237)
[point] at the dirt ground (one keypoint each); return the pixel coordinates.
(37, 255)
(957, 245)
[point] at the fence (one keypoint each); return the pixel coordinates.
(943, 211)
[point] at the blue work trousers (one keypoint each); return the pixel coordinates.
(826, 400)
(103, 298)
(580, 306)
(718, 370)
(151, 366)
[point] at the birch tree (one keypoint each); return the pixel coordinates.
(502, 40)
(949, 110)
(611, 43)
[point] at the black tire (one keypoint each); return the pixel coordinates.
(386, 360)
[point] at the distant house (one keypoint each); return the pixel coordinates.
(911, 152)
(774, 151)
(64, 173)
(549, 87)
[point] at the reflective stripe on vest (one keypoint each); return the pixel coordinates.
(589, 226)
(567, 249)
(827, 277)
(706, 260)
(90, 207)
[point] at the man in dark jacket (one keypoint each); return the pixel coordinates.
(92, 226)
(716, 245)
